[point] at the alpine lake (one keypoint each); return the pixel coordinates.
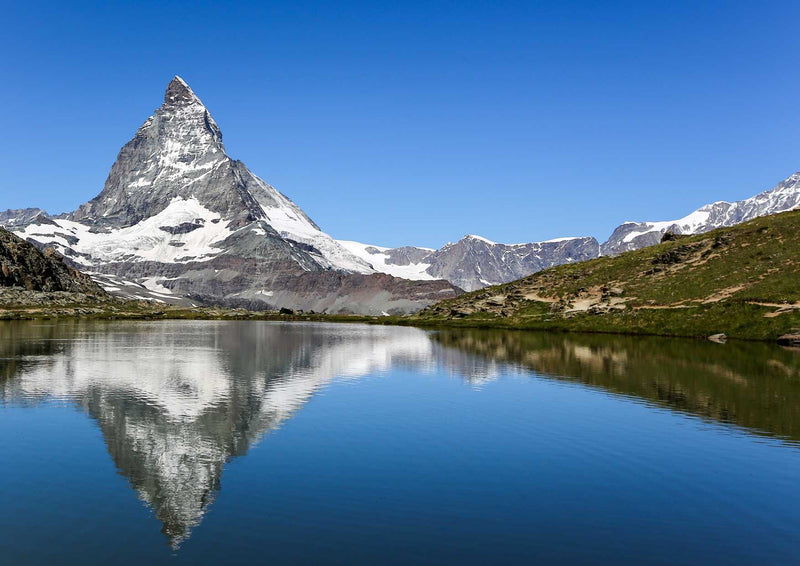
(224, 442)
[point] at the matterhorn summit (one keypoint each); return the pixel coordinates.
(180, 219)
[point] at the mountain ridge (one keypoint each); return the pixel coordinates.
(635, 235)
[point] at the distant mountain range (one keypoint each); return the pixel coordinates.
(475, 262)
(179, 220)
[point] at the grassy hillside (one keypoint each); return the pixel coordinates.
(743, 281)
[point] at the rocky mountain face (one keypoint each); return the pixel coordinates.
(635, 235)
(181, 218)
(13, 218)
(23, 265)
(475, 262)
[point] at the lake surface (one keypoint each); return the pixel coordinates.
(228, 442)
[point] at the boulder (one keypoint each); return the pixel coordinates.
(792, 339)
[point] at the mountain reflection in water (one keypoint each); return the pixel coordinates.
(176, 400)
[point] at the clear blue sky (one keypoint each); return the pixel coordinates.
(420, 122)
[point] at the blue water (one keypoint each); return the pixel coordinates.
(233, 442)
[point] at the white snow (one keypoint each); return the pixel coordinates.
(143, 241)
(290, 222)
(557, 240)
(152, 284)
(785, 196)
(687, 225)
(414, 271)
(491, 243)
(481, 238)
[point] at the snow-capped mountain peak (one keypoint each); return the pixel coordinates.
(179, 92)
(176, 165)
(179, 220)
(634, 235)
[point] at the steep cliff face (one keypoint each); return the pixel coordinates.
(175, 184)
(180, 217)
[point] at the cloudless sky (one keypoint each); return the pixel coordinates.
(416, 123)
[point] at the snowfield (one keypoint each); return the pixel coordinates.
(414, 271)
(145, 241)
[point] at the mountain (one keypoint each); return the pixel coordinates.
(740, 280)
(475, 262)
(180, 221)
(636, 235)
(13, 218)
(24, 266)
(180, 217)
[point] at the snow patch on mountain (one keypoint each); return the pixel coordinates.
(480, 239)
(290, 222)
(687, 225)
(157, 238)
(381, 261)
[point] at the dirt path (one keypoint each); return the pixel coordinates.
(783, 308)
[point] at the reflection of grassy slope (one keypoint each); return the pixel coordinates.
(750, 384)
(693, 286)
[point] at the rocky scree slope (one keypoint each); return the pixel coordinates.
(741, 281)
(181, 218)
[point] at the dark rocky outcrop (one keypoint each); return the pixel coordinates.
(792, 340)
(23, 265)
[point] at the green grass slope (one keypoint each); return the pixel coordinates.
(743, 281)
